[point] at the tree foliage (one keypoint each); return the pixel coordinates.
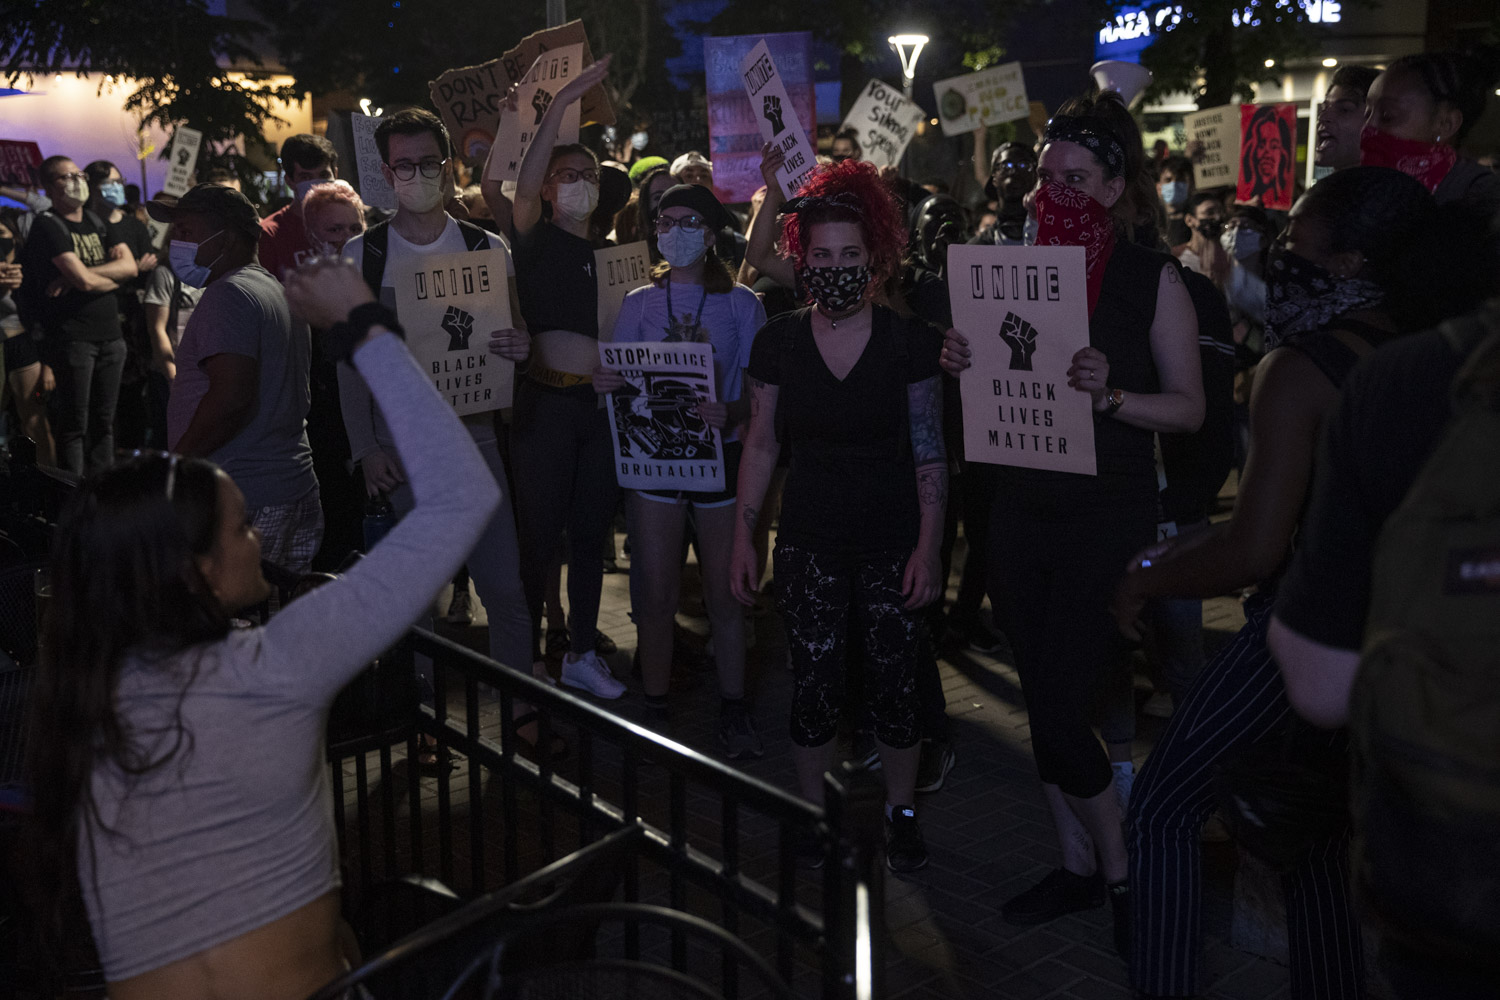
(181, 59)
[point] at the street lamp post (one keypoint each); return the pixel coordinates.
(557, 12)
(908, 49)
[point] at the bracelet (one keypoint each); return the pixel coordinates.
(1115, 398)
(342, 338)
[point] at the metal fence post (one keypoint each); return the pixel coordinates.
(854, 885)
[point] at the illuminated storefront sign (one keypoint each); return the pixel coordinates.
(1135, 28)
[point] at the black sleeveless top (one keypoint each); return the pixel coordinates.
(1125, 456)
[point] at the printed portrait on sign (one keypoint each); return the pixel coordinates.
(1267, 158)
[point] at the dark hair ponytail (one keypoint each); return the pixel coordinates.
(124, 583)
(1432, 264)
(1461, 80)
(1137, 206)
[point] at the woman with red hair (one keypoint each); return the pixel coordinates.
(852, 389)
(333, 215)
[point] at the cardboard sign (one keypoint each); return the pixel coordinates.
(989, 97)
(1268, 155)
(885, 121)
(778, 119)
(20, 163)
(1217, 130)
(621, 270)
(1025, 312)
(468, 98)
(374, 189)
(534, 96)
(182, 161)
(733, 126)
(660, 441)
(449, 306)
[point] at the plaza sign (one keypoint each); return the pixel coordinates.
(1134, 28)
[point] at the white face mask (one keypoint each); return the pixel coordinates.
(420, 194)
(577, 201)
(76, 188)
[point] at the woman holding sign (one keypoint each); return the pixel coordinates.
(854, 391)
(560, 442)
(692, 298)
(1059, 540)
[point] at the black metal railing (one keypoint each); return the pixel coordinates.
(715, 843)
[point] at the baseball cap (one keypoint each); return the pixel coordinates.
(691, 159)
(230, 208)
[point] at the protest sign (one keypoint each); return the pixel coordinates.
(468, 98)
(885, 121)
(182, 160)
(1025, 312)
(20, 163)
(777, 117)
(449, 304)
(660, 441)
(621, 270)
(534, 95)
(374, 189)
(733, 126)
(989, 97)
(1268, 155)
(1217, 133)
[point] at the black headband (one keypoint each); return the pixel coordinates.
(846, 200)
(1066, 128)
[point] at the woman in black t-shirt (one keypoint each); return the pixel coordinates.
(1058, 541)
(560, 442)
(853, 391)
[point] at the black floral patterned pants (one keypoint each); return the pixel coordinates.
(823, 596)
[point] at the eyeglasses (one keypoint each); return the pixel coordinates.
(567, 175)
(74, 176)
(689, 223)
(405, 170)
(172, 459)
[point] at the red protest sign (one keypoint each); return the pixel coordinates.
(1268, 155)
(20, 163)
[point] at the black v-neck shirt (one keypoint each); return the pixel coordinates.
(851, 488)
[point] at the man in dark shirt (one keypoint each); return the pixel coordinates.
(72, 267)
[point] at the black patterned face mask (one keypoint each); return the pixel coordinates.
(836, 289)
(1302, 297)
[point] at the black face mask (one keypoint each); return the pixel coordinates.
(836, 289)
(1211, 229)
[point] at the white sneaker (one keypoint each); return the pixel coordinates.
(589, 673)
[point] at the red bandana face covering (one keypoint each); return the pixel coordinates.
(1067, 217)
(1428, 162)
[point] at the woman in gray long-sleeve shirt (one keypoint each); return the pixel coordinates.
(177, 760)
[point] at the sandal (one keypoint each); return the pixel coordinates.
(559, 748)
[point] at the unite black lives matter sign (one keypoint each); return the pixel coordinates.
(449, 304)
(1025, 312)
(778, 121)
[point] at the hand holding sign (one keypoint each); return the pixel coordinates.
(591, 77)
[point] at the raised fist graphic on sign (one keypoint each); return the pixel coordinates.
(1020, 337)
(771, 112)
(541, 100)
(459, 326)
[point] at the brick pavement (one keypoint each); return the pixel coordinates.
(987, 830)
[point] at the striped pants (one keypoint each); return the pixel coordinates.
(1238, 700)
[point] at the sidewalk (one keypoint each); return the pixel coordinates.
(987, 830)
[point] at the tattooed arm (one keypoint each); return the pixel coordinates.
(757, 464)
(922, 584)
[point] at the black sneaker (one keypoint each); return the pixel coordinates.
(936, 760)
(737, 733)
(1119, 904)
(557, 642)
(1060, 893)
(904, 849)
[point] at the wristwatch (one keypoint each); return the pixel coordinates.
(1115, 398)
(342, 338)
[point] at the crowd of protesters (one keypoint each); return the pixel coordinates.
(260, 359)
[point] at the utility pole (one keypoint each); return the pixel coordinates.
(557, 12)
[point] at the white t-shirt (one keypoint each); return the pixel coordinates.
(362, 418)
